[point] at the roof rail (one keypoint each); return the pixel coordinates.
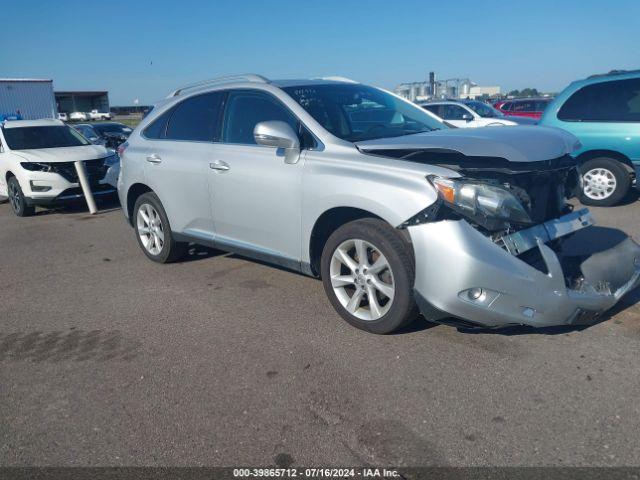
(613, 72)
(248, 77)
(336, 79)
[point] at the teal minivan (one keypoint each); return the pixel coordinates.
(603, 111)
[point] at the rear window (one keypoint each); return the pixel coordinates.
(613, 101)
(194, 119)
(26, 138)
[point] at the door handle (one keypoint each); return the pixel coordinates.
(155, 159)
(220, 166)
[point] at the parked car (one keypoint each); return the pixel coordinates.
(603, 111)
(523, 107)
(37, 164)
(78, 117)
(113, 133)
(96, 115)
(63, 116)
(463, 115)
(390, 208)
(109, 134)
(486, 110)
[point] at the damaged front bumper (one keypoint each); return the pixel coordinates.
(464, 278)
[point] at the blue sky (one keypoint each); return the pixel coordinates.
(142, 49)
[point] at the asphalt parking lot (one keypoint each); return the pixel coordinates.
(109, 359)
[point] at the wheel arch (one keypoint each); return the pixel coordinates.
(591, 154)
(134, 192)
(328, 222)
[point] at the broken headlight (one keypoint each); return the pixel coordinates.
(487, 205)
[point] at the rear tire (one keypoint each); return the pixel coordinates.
(17, 200)
(367, 259)
(605, 182)
(153, 230)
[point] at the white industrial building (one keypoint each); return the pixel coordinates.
(461, 88)
(27, 98)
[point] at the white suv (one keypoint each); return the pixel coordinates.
(37, 164)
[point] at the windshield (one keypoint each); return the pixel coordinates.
(357, 112)
(484, 110)
(26, 138)
(111, 128)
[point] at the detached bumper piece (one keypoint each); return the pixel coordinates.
(606, 277)
(571, 275)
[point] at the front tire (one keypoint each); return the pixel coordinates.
(605, 182)
(153, 230)
(17, 200)
(368, 273)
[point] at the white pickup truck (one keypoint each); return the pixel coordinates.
(96, 115)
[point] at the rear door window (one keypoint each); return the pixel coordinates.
(612, 101)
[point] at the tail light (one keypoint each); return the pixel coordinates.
(122, 148)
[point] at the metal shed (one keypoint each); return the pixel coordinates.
(28, 98)
(82, 101)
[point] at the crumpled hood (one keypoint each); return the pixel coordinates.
(515, 144)
(63, 154)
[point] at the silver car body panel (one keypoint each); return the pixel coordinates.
(264, 207)
(452, 258)
(517, 144)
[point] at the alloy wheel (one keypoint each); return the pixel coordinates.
(14, 197)
(362, 279)
(599, 183)
(150, 229)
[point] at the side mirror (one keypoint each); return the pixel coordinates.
(275, 133)
(467, 117)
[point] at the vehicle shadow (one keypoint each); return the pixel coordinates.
(418, 325)
(199, 252)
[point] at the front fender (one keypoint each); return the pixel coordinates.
(380, 186)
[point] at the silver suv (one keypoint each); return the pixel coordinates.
(394, 211)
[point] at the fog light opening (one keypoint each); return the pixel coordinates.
(39, 188)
